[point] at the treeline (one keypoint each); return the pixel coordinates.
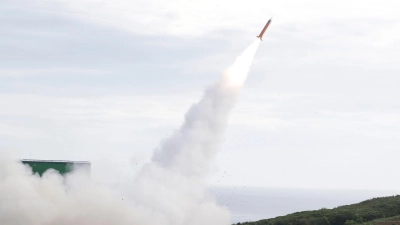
(376, 208)
(387, 221)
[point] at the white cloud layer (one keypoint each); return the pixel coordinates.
(202, 17)
(79, 78)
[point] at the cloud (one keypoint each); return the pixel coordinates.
(101, 109)
(52, 72)
(324, 81)
(201, 17)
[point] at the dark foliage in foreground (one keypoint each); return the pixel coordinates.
(370, 210)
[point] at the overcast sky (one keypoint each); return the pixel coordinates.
(106, 81)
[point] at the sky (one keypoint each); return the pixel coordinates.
(106, 81)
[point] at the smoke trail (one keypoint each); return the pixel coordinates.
(190, 149)
(169, 190)
(180, 162)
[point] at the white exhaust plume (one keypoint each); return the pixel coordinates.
(190, 149)
(169, 190)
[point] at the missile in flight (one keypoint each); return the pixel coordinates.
(264, 29)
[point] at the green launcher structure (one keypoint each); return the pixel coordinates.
(63, 167)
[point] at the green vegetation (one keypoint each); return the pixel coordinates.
(375, 211)
(387, 221)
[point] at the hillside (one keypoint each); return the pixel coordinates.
(387, 221)
(373, 211)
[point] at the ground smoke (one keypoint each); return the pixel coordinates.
(169, 190)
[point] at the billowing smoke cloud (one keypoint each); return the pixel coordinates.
(169, 190)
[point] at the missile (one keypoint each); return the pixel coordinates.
(264, 29)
